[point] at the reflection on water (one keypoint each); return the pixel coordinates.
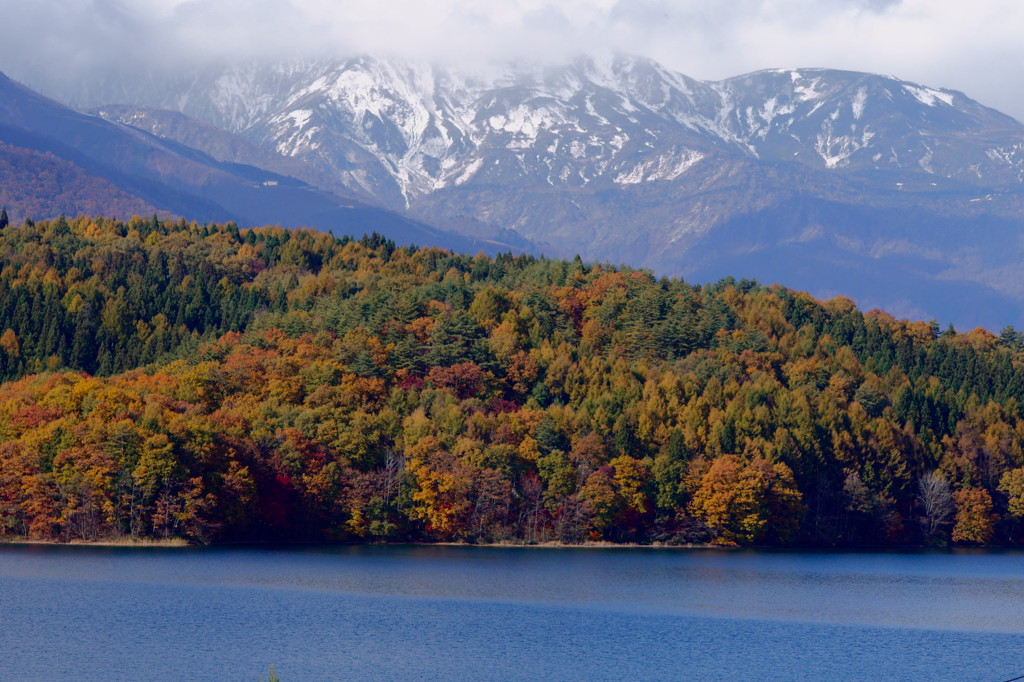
(498, 613)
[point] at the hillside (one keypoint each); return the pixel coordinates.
(180, 180)
(43, 186)
(177, 379)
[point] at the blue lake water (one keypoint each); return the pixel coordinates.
(462, 613)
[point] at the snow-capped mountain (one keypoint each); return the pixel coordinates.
(622, 159)
(410, 129)
(847, 120)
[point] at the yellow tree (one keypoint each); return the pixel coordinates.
(443, 484)
(9, 342)
(746, 503)
(599, 494)
(1012, 483)
(975, 522)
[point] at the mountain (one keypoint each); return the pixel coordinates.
(903, 196)
(218, 143)
(136, 170)
(42, 185)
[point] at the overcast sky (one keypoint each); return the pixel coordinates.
(975, 47)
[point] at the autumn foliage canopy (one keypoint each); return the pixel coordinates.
(200, 381)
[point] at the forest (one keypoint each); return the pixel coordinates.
(175, 380)
(34, 183)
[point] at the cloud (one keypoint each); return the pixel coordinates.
(973, 47)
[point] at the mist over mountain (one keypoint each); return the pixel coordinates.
(897, 194)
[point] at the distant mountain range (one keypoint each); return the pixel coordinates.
(91, 165)
(902, 196)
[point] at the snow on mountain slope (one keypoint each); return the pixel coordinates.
(405, 130)
(624, 120)
(401, 130)
(622, 159)
(847, 120)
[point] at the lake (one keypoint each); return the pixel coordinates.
(466, 613)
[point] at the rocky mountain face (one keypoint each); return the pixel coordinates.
(217, 142)
(900, 195)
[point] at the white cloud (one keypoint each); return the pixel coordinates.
(974, 47)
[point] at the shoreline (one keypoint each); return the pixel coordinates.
(180, 543)
(563, 545)
(106, 542)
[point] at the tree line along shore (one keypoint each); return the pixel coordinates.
(174, 380)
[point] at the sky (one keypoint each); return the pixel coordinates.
(974, 47)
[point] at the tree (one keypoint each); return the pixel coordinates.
(4, 222)
(936, 501)
(749, 502)
(1012, 483)
(463, 378)
(9, 342)
(559, 477)
(192, 511)
(443, 484)
(604, 504)
(452, 339)
(1011, 338)
(975, 522)
(716, 501)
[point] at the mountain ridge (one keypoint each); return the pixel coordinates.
(171, 177)
(722, 111)
(623, 160)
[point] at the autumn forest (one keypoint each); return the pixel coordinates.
(175, 380)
